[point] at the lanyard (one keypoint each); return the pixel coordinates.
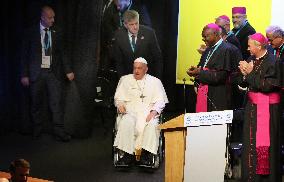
(246, 22)
(281, 51)
(229, 33)
(211, 53)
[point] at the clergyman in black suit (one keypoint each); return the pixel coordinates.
(42, 63)
(242, 29)
(135, 41)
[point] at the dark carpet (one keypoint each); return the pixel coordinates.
(80, 160)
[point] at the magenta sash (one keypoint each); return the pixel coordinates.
(263, 128)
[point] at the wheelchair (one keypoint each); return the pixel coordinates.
(103, 102)
(155, 160)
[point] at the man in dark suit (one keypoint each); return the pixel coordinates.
(42, 60)
(242, 29)
(112, 19)
(135, 41)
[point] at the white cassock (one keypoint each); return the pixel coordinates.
(139, 98)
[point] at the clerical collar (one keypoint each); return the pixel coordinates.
(281, 47)
(217, 43)
(261, 57)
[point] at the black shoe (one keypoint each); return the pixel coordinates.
(62, 137)
(146, 158)
(126, 159)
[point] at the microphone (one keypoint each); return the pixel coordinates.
(211, 102)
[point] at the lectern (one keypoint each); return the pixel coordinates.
(175, 134)
(185, 136)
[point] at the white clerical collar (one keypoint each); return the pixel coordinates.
(219, 42)
(262, 55)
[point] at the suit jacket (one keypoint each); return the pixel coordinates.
(243, 38)
(146, 46)
(31, 56)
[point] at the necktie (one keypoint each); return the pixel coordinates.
(46, 42)
(133, 42)
(277, 52)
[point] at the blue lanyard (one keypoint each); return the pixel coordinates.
(246, 22)
(211, 53)
(230, 33)
(281, 51)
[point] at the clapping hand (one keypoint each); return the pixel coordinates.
(193, 71)
(245, 67)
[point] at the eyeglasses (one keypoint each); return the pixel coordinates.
(271, 39)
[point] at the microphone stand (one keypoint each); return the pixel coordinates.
(205, 94)
(184, 94)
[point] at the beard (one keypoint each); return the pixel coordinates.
(237, 25)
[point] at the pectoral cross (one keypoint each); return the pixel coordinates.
(142, 96)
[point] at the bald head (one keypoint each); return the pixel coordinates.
(47, 16)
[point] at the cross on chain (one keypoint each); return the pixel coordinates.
(142, 96)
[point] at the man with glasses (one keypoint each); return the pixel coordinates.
(242, 29)
(275, 36)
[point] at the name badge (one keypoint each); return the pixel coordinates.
(45, 62)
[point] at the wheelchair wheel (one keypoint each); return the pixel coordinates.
(158, 159)
(115, 156)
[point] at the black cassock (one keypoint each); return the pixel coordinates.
(242, 36)
(217, 77)
(264, 78)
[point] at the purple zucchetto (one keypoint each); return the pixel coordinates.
(224, 17)
(213, 26)
(239, 10)
(259, 38)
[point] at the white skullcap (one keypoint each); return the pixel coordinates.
(140, 60)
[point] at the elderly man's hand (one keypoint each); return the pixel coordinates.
(245, 67)
(202, 48)
(121, 109)
(25, 81)
(151, 115)
(70, 76)
(193, 71)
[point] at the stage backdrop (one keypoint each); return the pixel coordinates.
(194, 15)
